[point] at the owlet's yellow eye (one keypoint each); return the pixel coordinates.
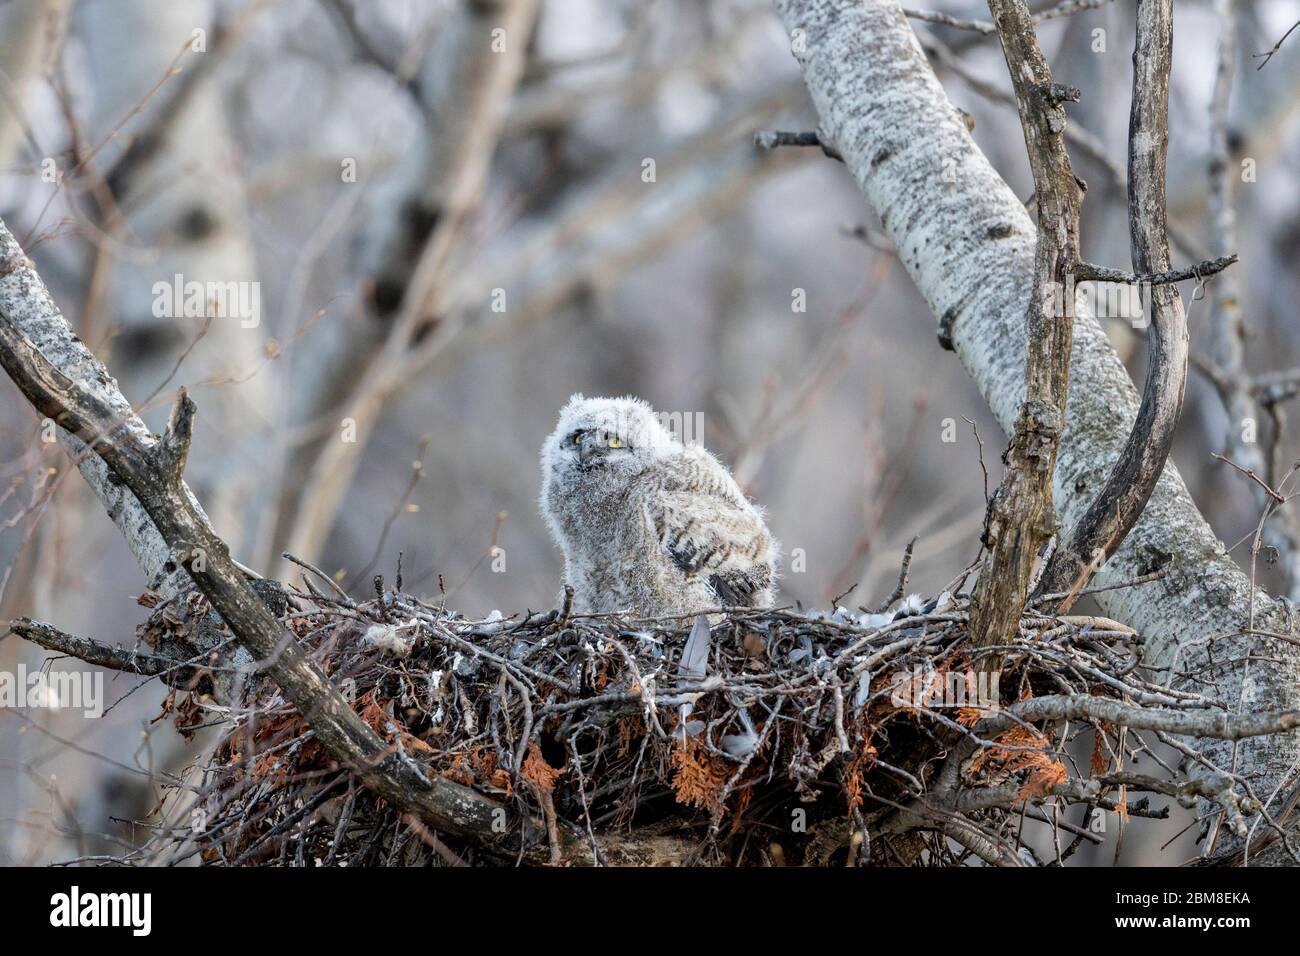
(577, 439)
(616, 443)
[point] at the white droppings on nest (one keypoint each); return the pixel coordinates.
(439, 682)
(863, 691)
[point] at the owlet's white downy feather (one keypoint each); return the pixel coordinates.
(648, 525)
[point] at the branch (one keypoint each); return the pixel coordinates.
(1020, 516)
(767, 139)
(947, 20)
(1276, 46)
(175, 673)
(172, 451)
(1088, 272)
(1132, 480)
(1220, 725)
(1063, 9)
(1268, 489)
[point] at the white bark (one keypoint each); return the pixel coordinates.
(26, 304)
(968, 244)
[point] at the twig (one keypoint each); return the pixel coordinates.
(1217, 724)
(308, 566)
(178, 673)
(901, 588)
(1280, 499)
(770, 139)
(1276, 46)
(1089, 271)
(1064, 8)
(979, 442)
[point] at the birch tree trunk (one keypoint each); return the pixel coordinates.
(968, 244)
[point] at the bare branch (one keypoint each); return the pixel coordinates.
(1087, 271)
(1133, 478)
(772, 138)
(1221, 725)
(1276, 46)
(175, 673)
(1268, 489)
(174, 449)
(1020, 516)
(1063, 9)
(947, 20)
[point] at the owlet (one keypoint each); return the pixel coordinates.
(648, 525)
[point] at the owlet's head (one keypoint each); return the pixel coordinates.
(604, 439)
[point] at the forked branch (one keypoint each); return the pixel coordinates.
(1132, 479)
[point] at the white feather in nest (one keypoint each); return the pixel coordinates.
(694, 667)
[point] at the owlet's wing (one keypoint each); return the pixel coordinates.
(710, 531)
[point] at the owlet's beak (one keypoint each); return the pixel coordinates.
(592, 446)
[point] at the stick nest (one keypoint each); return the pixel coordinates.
(799, 739)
